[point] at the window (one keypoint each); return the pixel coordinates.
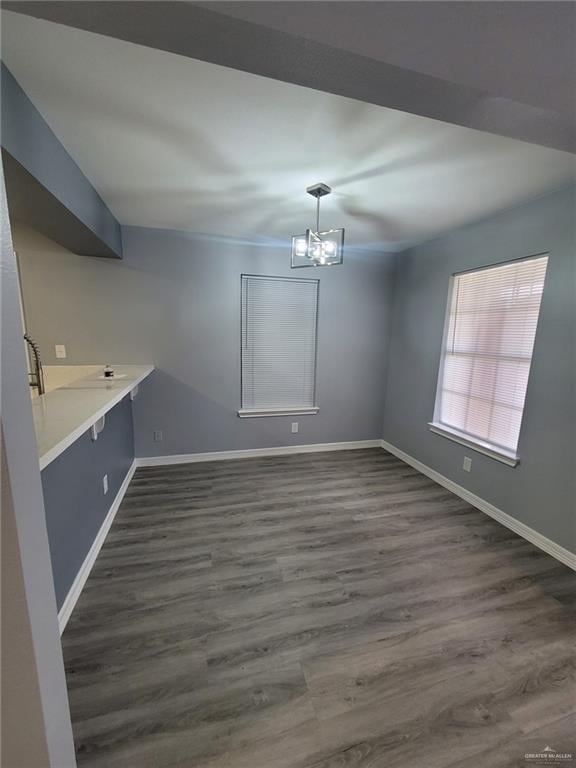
(486, 355)
(279, 319)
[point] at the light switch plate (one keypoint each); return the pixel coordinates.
(295, 427)
(467, 464)
(60, 350)
(158, 436)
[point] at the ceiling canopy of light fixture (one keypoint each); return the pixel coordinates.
(316, 248)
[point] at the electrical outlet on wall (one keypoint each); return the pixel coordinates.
(60, 350)
(105, 484)
(295, 427)
(467, 464)
(158, 435)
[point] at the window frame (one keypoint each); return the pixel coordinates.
(499, 453)
(303, 410)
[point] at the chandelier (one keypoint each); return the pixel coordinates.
(316, 248)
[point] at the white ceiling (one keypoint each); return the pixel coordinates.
(177, 143)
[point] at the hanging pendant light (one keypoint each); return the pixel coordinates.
(316, 248)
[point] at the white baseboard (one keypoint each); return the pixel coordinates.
(284, 450)
(74, 593)
(540, 541)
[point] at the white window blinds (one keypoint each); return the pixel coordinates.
(279, 318)
(487, 351)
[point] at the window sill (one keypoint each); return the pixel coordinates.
(254, 413)
(499, 454)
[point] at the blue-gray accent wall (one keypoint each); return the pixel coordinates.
(74, 500)
(540, 491)
(38, 162)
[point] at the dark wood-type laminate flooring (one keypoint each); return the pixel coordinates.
(317, 611)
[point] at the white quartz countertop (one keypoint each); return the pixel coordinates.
(64, 414)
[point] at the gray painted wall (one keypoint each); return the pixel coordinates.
(74, 498)
(29, 621)
(29, 140)
(20, 692)
(174, 301)
(540, 492)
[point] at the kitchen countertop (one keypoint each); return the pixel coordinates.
(63, 415)
(58, 376)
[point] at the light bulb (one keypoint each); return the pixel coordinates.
(301, 247)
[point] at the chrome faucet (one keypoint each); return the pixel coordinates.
(37, 376)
